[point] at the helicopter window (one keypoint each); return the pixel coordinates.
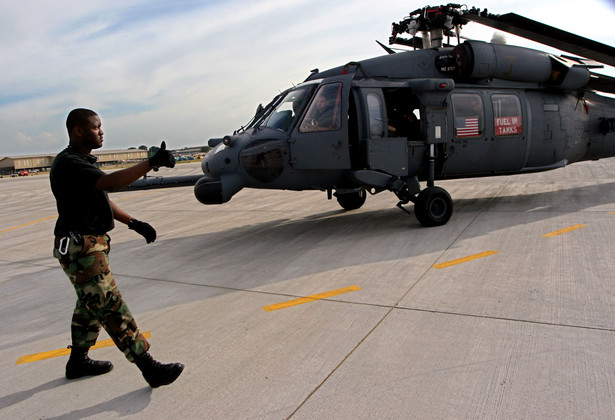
(324, 112)
(507, 115)
(376, 115)
(287, 110)
(469, 114)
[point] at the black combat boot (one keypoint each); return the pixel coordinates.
(79, 364)
(157, 374)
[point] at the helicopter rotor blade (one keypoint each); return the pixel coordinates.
(545, 34)
(601, 83)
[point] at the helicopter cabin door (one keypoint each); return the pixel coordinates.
(387, 137)
(320, 140)
(488, 135)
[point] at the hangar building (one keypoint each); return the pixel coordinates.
(12, 164)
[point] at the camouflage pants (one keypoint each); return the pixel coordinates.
(99, 302)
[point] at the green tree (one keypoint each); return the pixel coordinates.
(152, 150)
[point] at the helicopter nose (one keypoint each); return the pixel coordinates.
(220, 160)
(218, 190)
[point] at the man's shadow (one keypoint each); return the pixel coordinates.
(127, 404)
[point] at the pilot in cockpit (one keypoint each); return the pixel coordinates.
(321, 115)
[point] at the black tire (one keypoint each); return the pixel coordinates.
(433, 207)
(352, 200)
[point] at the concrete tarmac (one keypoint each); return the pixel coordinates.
(485, 317)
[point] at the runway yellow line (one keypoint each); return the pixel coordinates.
(311, 298)
(62, 352)
(465, 259)
(566, 230)
(30, 223)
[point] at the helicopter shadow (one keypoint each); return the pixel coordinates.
(252, 255)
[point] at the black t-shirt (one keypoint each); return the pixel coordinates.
(81, 207)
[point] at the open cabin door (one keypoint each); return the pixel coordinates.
(386, 142)
(320, 140)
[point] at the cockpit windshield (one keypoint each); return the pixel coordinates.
(286, 111)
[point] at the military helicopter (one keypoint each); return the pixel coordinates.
(430, 113)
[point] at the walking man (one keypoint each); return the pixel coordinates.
(82, 246)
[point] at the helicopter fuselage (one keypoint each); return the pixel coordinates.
(426, 115)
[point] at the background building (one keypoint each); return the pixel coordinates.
(16, 164)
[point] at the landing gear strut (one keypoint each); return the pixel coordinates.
(433, 206)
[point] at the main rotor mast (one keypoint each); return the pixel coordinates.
(433, 23)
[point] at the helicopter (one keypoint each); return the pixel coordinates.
(430, 113)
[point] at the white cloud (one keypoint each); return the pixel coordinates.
(190, 70)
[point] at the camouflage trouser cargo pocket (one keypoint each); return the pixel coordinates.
(85, 261)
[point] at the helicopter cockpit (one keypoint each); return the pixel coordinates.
(287, 110)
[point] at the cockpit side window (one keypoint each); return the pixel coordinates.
(469, 114)
(325, 111)
(287, 110)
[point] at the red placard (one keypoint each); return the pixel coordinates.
(508, 126)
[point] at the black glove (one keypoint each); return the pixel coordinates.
(162, 157)
(144, 229)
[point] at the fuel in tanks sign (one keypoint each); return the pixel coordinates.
(508, 126)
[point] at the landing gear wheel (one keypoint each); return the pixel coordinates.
(433, 207)
(351, 200)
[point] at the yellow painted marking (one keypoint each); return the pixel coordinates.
(62, 352)
(311, 298)
(566, 230)
(465, 259)
(31, 223)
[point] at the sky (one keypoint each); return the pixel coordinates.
(185, 71)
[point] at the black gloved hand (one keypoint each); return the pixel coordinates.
(162, 157)
(144, 229)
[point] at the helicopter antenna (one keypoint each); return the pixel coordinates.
(387, 49)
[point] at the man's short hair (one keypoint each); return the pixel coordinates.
(78, 117)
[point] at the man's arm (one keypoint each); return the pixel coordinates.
(119, 214)
(142, 228)
(122, 178)
(119, 179)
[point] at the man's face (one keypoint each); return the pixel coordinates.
(92, 134)
(321, 103)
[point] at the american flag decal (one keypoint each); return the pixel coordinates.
(466, 127)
